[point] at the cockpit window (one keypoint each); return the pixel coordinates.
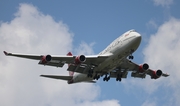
(127, 33)
(133, 30)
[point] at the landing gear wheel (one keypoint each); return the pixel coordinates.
(131, 57)
(116, 79)
(96, 77)
(106, 78)
(119, 77)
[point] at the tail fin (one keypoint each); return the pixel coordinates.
(71, 73)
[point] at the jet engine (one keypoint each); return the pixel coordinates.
(156, 74)
(45, 59)
(80, 59)
(143, 67)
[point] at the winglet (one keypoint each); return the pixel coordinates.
(165, 74)
(6, 53)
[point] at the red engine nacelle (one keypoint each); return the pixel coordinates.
(80, 59)
(45, 59)
(143, 67)
(156, 74)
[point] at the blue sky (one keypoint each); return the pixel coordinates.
(84, 26)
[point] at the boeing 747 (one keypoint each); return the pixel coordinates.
(113, 62)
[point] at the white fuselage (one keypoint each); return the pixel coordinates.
(120, 48)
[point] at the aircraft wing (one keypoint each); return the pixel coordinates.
(141, 71)
(60, 60)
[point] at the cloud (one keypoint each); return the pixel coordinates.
(164, 3)
(149, 103)
(163, 47)
(33, 32)
(163, 52)
(103, 103)
(152, 24)
(85, 48)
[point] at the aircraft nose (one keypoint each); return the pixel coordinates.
(137, 37)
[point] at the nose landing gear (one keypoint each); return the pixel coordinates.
(131, 57)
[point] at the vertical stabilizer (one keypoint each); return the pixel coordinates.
(71, 73)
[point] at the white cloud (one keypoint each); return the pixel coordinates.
(163, 52)
(164, 3)
(152, 24)
(149, 103)
(103, 103)
(85, 48)
(20, 85)
(163, 47)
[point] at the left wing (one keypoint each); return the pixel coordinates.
(59, 61)
(140, 71)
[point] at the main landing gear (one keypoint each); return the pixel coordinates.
(90, 73)
(118, 78)
(106, 78)
(96, 76)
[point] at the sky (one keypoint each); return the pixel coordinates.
(87, 27)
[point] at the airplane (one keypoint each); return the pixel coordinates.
(113, 62)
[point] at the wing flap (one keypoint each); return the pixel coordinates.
(138, 75)
(115, 74)
(78, 68)
(54, 63)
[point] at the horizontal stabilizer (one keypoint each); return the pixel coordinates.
(90, 81)
(58, 77)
